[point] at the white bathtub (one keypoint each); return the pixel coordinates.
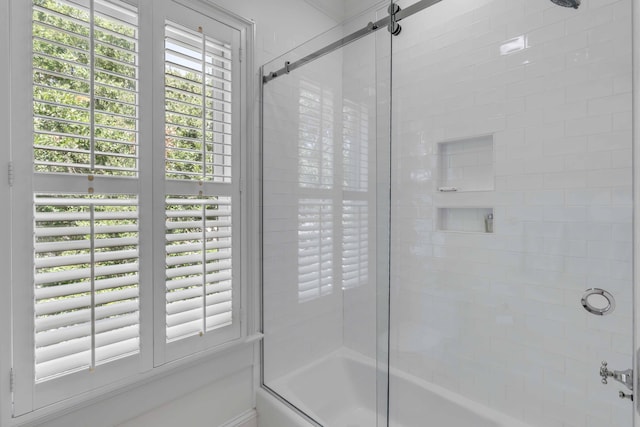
(339, 391)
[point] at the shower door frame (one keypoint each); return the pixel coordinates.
(383, 188)
(635, 7)
(382, 242)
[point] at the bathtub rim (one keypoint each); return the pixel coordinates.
(291, 411)
(344, 353)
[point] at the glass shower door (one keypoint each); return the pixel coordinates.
(511, 200)
(325, 222)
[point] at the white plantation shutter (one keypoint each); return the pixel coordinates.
(198, 265)
(85, 96)
(315, 248)
(355, 146)
(86, 281)
(355, 243)
(200, 105)
(355, 203)
(85, 135)
(114, 192)
(315, 137)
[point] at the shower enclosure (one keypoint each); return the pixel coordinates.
(447, 210)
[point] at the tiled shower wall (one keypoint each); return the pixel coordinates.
(496, 316)
(319, 226)
(302, 307)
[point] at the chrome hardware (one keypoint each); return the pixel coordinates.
(394, 28)
(623, 395)
(488, 223)
(590, 301)
(624, 377)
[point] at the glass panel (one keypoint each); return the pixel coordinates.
(325, 147)
(487, 328)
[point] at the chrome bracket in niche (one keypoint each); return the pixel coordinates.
(598, 301)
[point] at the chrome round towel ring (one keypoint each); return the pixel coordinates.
(598, 301)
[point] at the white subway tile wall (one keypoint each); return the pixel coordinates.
(319, 205)
(497, 316)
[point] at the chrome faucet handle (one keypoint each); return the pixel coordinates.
(604, 372)
(624, 395)
(624, 377)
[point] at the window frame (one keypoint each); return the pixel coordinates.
(30, 401)
(164, 351)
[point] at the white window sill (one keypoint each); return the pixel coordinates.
(101, 394)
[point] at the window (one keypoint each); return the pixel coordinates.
(130, 188)
(85, 124)
(201, 185)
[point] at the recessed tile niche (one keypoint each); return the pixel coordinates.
(466, 164)
(470, 220)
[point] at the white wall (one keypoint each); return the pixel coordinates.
(226, 381)
(281, 25)
(497, 317)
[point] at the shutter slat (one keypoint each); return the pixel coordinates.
(84, 259)
(63, 349)
(183, 330)
(219, 320)
(82, 316)
(194, 292)
(117, 350)
(58, 29)
(179, 237)
(55, 336)
(190, 310)
(191, 258)
(192, 224)
(63, 365)
(81, 287)
(65, 304)
(78, 345)
(83, 244)
(85, 216)
(83, 273)
(197, 279)
(218, 201)
(197, 269)
(68, 231)
(191, 247)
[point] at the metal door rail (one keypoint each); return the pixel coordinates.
(370, 28)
